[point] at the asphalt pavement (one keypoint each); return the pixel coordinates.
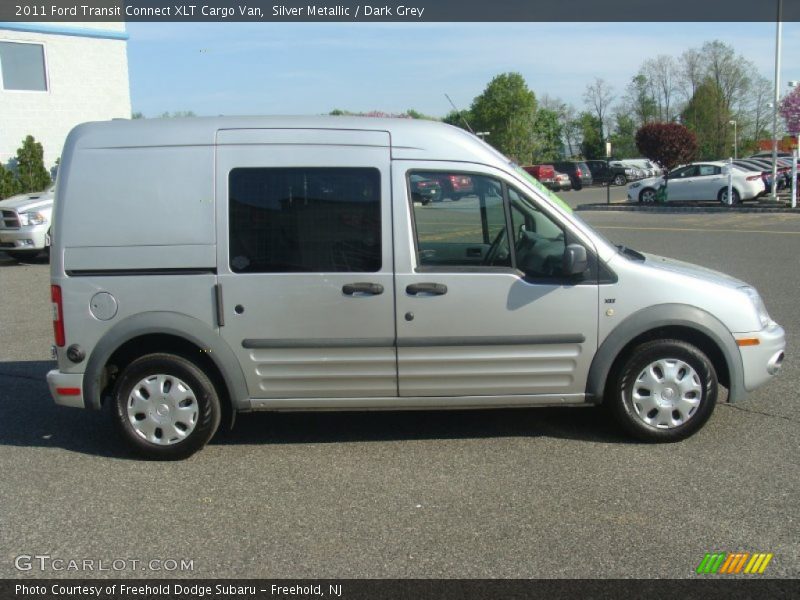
(500, 494)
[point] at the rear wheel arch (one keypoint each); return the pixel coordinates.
(671, 321)
(165, 332)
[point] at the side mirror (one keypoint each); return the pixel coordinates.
(575, 260)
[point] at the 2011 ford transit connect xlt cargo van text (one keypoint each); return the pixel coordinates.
(204, 267)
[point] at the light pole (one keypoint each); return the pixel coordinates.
(735, 139)
(796, 149)
(778, 31)
(794, 84)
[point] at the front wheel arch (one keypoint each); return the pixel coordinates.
(669, 321)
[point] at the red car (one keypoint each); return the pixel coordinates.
(545, 174)
(454, 185)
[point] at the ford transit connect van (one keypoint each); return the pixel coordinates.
(205, 267)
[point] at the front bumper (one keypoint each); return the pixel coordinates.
(66, 388)
(24, 238)
(763, 360)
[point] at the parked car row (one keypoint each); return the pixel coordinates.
(593, 172)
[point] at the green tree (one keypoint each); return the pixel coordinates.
(415, 114)
(458, 118)
(623, 140)
(639, 99)
(548, 146)
(592, 146)
(506, 109)
(707, 116)
(31, 173)
(8, 183)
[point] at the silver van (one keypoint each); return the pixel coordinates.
(205, 267)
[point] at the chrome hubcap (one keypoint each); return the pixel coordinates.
(162, 409)
(666, 393)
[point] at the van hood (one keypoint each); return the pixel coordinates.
(683, 268)
(24, 202)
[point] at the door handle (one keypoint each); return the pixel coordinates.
(431, 289)
(367, 289)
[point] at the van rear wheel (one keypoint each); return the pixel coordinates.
(664, 391)
(165, 407)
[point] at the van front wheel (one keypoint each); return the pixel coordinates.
(165, 407)
(664, 391)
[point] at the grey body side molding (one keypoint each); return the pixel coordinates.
(178, 325)
(665, 315)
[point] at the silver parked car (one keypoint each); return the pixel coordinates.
(204, 267)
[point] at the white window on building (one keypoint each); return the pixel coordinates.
(22, 67)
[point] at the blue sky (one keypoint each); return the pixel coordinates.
(311, 68)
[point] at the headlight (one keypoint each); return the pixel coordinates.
(31, 218)
(758, 304)
(635, 185)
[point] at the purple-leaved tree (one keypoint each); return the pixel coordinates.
(790, 111)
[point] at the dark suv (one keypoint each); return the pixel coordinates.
(605, 172)
(578, 171)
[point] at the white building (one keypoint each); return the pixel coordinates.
(56, 75)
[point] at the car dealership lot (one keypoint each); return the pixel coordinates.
(512, 493)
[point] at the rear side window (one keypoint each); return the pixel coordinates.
(301, 220)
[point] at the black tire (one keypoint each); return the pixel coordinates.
(722, 196)
(577, 185)
(629, 413)
(208, 405)
(647, 196)
(620, 179)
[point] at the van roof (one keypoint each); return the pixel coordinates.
(410, 138)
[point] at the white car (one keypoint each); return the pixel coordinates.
(25, 222)
(647, 167)
(700, 181)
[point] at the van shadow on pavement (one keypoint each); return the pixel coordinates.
(30, 418)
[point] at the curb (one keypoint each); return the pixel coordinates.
(781, 209)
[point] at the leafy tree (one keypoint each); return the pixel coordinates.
(415, 114)
(137, 115)
(623, 140)
(31, 173)
(8, 183)
(639, 99)
(790, 111)
(668, 144)
(702, 116)
(547, 136)
(506, 109)
(593, 146)
(458, 118)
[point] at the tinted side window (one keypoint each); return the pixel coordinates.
(304, 220)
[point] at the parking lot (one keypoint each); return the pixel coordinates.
(496, 494)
